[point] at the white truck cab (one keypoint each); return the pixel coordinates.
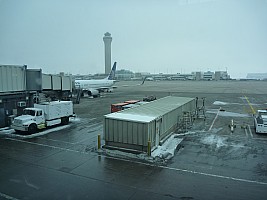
(43, 115)
(260, 121)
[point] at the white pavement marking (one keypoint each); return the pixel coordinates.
(261, 139)
(214, 119)
(95, 136)
(43, 145)
(56, 140)
(147, 164)
(70, 143)
(45, 132)
(250, 131)
(30, 184)
(216, 176)
(246, 132)
(7, 197)
(192, 172)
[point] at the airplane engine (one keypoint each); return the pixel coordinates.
(94, 93)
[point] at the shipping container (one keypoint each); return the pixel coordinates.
(56, 109)
(154, 121)
(12, 78)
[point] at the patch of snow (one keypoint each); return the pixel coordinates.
(6, 131)
(190, 133)
(167, 149)
(11, 132)
(122, 154)
(75, 119)
(5, 128)
(219, 103)
(216, 130)
(237, 146)
(214, 140)
(227, 114)
(131, 117)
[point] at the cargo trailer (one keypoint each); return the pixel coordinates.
(153, 121)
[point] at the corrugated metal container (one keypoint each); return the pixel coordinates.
(47, 81)
(34, 79)
(56, 109)
(12, 78)
(56, 82)
(133, 128)
(66, 83)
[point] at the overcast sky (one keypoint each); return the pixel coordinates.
(156, 36)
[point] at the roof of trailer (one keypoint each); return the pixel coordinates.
(150, 111)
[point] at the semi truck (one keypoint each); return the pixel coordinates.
(260, 121)
(43, 115)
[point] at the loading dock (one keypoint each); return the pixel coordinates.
(154, 121)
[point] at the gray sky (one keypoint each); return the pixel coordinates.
(156, 36)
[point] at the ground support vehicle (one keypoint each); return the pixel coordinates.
(43, 115)
(260, 121)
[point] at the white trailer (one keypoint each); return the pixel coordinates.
(43, 115)
(260, 121)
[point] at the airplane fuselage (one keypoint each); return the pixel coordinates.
(94, 87)
(87, 84)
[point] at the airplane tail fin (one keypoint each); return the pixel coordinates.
(143, 80)
(111, 75)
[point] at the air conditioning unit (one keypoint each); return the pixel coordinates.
(21, 104)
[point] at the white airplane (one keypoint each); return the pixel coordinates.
(94, 87)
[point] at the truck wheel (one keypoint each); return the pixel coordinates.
(65, 120)
(32, 128)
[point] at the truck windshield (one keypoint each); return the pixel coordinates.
(29, 112)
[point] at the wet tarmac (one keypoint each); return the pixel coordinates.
(211, 163)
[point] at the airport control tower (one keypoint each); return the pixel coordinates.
(107, 40)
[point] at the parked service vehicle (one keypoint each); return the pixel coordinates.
(43, 115)
(117, 107)
(149, 98)
(260, 121)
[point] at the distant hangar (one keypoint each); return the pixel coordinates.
(154, 121)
